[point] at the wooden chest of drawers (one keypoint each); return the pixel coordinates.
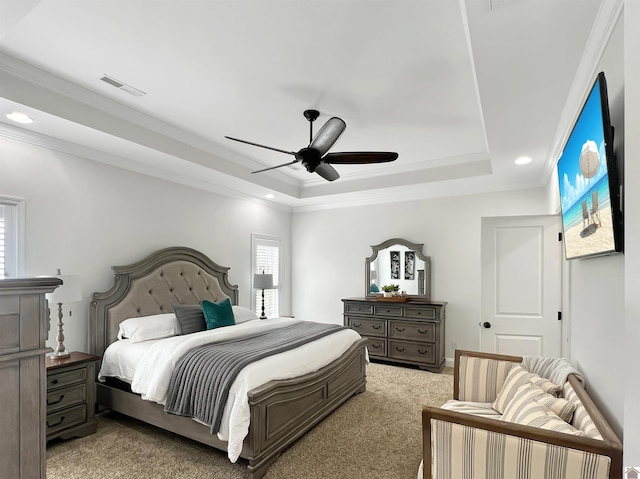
(71, 396)
(408, 333)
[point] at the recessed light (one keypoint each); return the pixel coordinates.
(523, 160)
(19, 117)
(269, 196)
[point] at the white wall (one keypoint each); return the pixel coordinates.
(596, 299)
(84, 217)
(630, 377)
(329, 250)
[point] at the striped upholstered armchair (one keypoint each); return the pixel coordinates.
(467, 438)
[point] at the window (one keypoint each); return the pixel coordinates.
(11, 237)
(266, 257)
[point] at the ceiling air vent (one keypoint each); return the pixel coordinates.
(122, 86)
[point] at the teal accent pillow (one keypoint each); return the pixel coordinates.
(218, 314)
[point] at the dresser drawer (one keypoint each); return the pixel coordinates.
(66, 418)
(424, 313)
(68, 377)
(358, 308)
(377, 347)
(424, 353)
(413, 331)
(368, 327)
(386, 310)
(61, 398)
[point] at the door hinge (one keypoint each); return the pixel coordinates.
(560, 236)
(559, 315)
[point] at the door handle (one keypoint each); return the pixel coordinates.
(486, 324)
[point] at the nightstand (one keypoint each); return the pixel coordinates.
(71, 395)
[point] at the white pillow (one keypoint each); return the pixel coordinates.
(143, 328)
(243, 314)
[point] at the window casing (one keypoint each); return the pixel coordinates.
(11, 237)
(266, 257)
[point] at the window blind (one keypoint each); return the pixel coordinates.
(2, 242)
(12, 238)
(266, 253)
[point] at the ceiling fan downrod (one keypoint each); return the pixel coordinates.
(311, 115)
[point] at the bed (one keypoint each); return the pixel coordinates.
(279, 411)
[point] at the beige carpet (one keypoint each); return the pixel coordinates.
(375, 435)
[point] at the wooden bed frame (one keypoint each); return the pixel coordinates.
(281, 411)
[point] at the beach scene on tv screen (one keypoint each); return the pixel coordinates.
(584, 185)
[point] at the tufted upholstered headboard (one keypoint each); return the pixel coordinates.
(170, 276)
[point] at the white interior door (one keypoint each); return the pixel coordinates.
(521, 264)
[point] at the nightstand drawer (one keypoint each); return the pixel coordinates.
(58, 421)
(424, 353)
(368, 327)
(71, 395)
(61, 398)
(68, 377)
(412, 331)
(376, 346)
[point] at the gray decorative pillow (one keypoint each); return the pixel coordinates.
(190, 317)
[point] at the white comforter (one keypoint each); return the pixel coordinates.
(155, 360)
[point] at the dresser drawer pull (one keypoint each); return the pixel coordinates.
(55, 381)
(375, 346)
(56, 424)
(399, 329)
(375, 326)
(423, 352)
(51, 403)
(421, 331)
(357, 325)
(399, 349)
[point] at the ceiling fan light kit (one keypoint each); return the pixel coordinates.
(315, 157)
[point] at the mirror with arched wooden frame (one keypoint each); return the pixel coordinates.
(399, 262)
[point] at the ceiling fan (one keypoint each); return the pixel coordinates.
(315, 157)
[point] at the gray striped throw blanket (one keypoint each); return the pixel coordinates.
(201, 380)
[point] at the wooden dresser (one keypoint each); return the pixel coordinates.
(24, 326)
(409, 332)
(71, 395)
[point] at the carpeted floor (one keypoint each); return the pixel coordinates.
(375, 435)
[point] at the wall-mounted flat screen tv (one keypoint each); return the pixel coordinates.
(588, 181)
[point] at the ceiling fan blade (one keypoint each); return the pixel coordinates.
(262, 146)
(328, 172)
(328, 135)
(359, 157)
(277, 166)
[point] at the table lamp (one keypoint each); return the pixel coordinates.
(68, 292)
(263, 281)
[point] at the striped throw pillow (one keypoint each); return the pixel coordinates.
(528, 392)
(536, 415)
(517, 377)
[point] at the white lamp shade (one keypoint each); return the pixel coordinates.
(69, 291)
(263, 281)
